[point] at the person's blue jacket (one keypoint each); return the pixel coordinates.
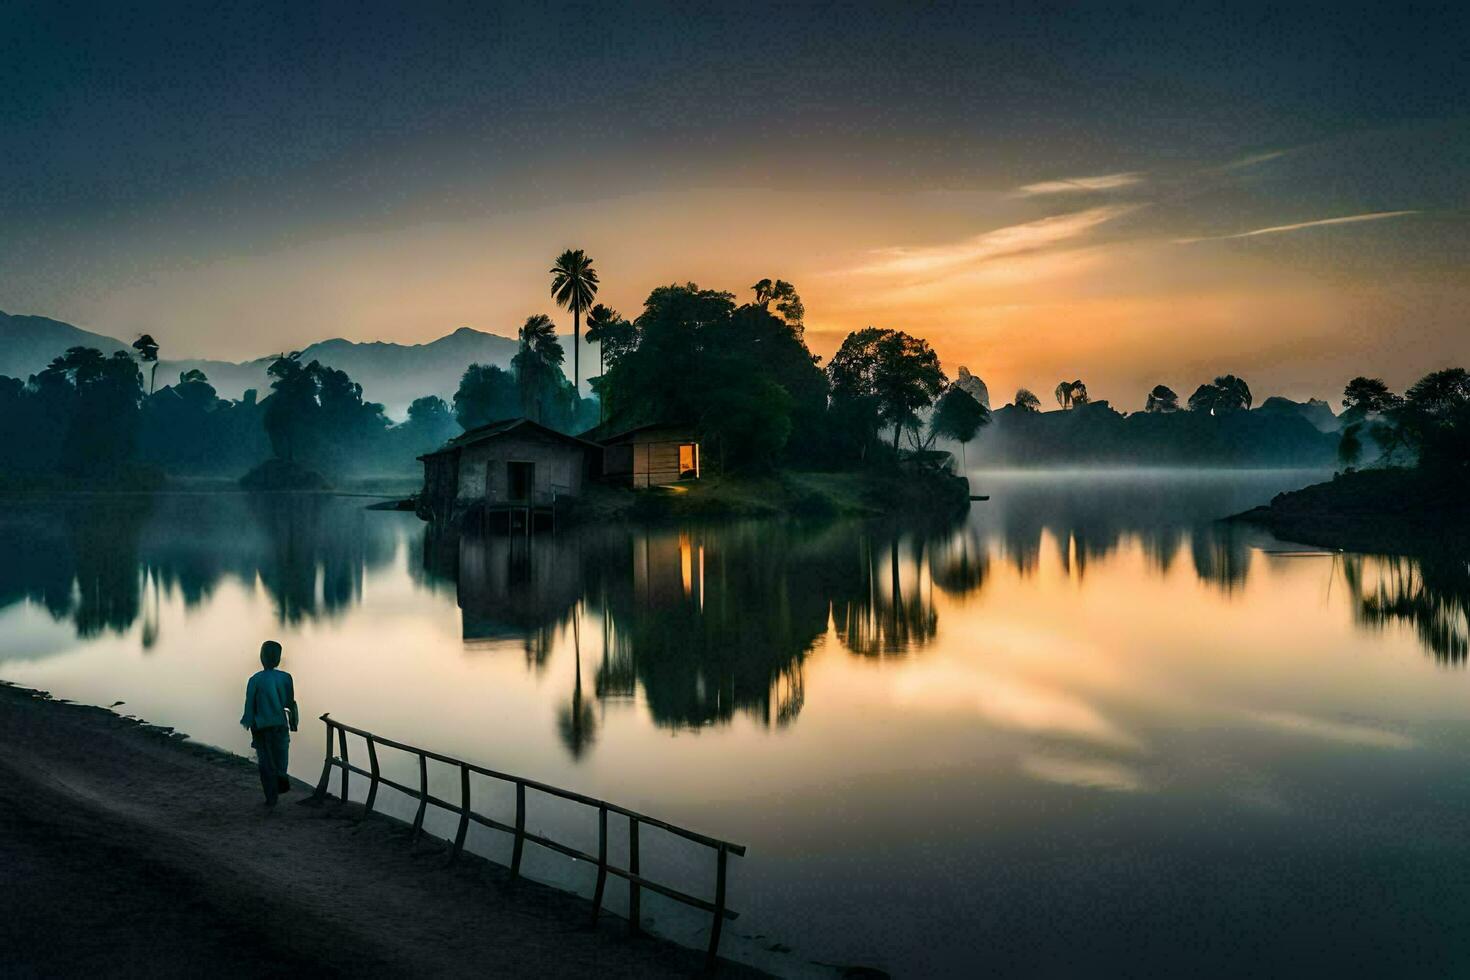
(270, 697)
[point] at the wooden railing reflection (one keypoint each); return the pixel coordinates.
(636, 821)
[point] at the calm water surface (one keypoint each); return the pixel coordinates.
(1082, 731)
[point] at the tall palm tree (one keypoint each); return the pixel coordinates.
(573, 286)
(600, 321)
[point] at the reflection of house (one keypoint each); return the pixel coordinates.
(650, 455)
(512, 464)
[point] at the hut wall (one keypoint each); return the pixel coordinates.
(558, 465)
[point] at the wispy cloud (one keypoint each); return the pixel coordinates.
(1010, 240)
(1078, 185)
(1253, 159)
(1298, 226)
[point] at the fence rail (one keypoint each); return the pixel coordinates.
(632, 874)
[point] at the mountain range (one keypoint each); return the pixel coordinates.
(394, 374)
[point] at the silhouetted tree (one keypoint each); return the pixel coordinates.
(958, 416)
(147, 349)
(1235, 394)
(98, 399)
(784, 295)
(1026, 400)
(614, 337)
(741, 375)
(538, 365)
(573, 285)
(883, 377)
(1162, 399)
(1368, 396)
(317, 413)
(486, 394)
(1070, 394)
(1226, 394)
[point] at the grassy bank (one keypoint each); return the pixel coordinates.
(795, 494)
(1389, 510)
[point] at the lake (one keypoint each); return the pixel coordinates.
(1084, 730)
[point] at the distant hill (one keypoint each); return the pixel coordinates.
(28, 343)
(394, 374)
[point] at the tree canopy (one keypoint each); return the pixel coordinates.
(740, 374)
(882, 378)
(1162, 399)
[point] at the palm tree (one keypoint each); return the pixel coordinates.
(1027, 401)
(538, 335)
(1071, 393)
(573, 285)
(600, 321)
(536, 363)
(147, 349)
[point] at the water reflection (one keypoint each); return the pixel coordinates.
(105, 561)
(1430, 594)
(704, 623)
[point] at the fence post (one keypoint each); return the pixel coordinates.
(373, 782)
(418, 818)
(635, 891)
(321, 786)
(714, 933)
(601, 862)
(342, 744)
(464, 813)
(515, 854)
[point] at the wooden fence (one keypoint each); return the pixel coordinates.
(636, 881)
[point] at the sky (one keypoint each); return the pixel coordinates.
(1130, 195)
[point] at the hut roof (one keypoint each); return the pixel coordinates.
(492, 430)
(606, 436)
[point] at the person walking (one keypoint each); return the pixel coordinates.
(271, 716)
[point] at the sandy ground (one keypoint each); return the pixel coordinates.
(126, 851)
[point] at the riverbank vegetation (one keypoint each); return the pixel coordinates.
(1416, 496)
(739, 373)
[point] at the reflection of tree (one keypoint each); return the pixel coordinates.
(1162, 547)
(959, 565)
(79, 560)
(104, 544)
(90, 560)
(1431, 593)
(708, 622)
(889, 612)
(1221, 555)
(576, 722)
(311, 538)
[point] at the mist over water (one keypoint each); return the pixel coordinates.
(1055, 737)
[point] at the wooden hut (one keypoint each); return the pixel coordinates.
(514, 465)
(650, 455)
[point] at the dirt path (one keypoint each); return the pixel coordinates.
(131, 852)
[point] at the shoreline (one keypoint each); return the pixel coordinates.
(1388, 511)
(136, 851)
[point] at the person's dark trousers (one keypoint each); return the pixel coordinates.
(272, 755)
